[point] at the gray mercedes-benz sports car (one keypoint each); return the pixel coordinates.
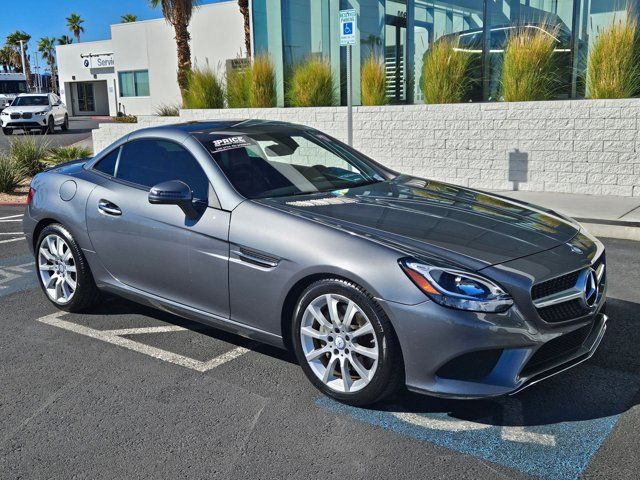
(281, 233)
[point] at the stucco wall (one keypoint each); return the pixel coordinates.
(573, 146)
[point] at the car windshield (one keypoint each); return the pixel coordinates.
(31, 101)
(278, 163)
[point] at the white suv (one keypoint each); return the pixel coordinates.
(35, 111)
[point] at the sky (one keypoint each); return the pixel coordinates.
(40, 18)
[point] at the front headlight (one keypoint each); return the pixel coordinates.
(44, 112)
(457, 289)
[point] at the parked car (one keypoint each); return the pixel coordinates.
(35, 111)
(286, 235)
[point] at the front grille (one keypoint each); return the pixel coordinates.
(554, 285)
(562, 312)
(15, 116)
(27, 115)
(555, 349)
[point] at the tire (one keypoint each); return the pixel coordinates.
(65, 124)
(50, 270)
(7, 131)
(50, 128)
(372, 380)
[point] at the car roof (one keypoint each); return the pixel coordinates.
(33, 94)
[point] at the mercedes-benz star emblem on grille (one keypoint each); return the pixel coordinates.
(591, 289)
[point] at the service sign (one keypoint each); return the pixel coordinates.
(103, 60)
(348, 27)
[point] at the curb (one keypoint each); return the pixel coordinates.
(620, 232)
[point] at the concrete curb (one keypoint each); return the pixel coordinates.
(621, 232)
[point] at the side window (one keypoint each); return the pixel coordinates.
(149, 162)
(108, 164)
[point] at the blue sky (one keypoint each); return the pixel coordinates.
(41, 18)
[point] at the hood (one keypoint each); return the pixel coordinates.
(432, 219)
(27, 108)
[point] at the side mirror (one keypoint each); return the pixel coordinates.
(174, 192)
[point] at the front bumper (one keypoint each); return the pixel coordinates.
(491, 354)
(36, 121)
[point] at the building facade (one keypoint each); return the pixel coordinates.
(402, 31)
(134, 72)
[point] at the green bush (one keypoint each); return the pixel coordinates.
(204, 89)
(164, 110)
(11, 174)
(373, 82)
(614, 61)
(446, 72)
(312, 84)
(30, 153)
(238, 83)
(529, 68)
(262, 92)
(66, 154)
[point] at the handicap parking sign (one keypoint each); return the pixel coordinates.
(347, 27)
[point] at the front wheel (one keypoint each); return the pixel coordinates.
(51, 126)
(345, 343)
(65, 124)
(63, 271)
(7, 131)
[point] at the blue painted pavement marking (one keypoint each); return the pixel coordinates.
(17, 274)
(551, 432)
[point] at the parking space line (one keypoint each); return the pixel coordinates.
(12, 233)
(12, 216)
(110, 337)
(17, 220)
(12, 240)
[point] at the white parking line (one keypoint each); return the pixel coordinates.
(12, 216)
(12, 240)
(113, 337)
(11, 221)
(11, 233)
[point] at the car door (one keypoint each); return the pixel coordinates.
(157, 248)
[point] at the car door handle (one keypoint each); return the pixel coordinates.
(109, 208)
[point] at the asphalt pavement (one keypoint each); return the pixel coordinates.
(79, 129)
(127, 391)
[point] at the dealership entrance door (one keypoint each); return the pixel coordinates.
(89, 98)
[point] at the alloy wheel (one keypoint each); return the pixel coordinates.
(339, 343)
(57, 269)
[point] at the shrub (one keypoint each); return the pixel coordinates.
(126, 119)
(373, 82)
(529, 68)
(614, 61)
(204, 89)
(29, 152)
(312, 84)
(445, 72)
(262, 91)
(238, 83)
(66, 154)
(164, 110)
(11, 174)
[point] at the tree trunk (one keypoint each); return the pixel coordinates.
(184, 53)
(27, 70)
(77, 35)
(247, 30)
(52, 67)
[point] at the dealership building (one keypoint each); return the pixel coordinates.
(134, 72)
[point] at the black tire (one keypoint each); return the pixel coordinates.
(65, 124)
(7, 131)
(86, 294)
(389, 375)
(50, 128)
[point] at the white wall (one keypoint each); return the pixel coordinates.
(70, 65)
(217, 34)
(574, 146)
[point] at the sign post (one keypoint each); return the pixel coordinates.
(348, 28)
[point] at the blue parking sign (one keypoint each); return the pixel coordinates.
(348, 27)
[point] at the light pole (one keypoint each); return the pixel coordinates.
(24, 72)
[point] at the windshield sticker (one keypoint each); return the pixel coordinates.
(230, 143)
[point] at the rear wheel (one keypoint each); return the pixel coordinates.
(63, 271)
(345, 343)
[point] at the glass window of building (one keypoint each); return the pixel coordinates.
(134, 84)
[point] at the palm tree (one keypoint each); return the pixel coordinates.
(178, 13)
(6, 58)
(65, 40)
(244, 10)
(129, 17)
(74, 22)
(13, 40)
(47, 46)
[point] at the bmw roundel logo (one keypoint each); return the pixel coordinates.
(591, 289)
(86, 62)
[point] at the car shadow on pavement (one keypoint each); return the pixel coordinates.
(606, 385)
